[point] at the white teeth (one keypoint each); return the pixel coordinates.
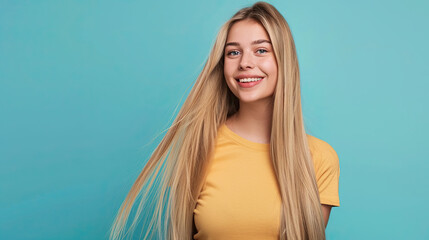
(249, 79)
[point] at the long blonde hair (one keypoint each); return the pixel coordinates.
(173, 177)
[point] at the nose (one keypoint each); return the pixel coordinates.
(246, 61)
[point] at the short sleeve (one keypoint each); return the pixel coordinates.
(327, 170)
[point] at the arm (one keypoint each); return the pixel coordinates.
(326, 210)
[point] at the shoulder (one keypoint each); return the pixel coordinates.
(323, 153)
(327, 170)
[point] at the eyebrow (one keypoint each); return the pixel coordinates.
(259, 41)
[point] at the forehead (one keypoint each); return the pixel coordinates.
(246, 31)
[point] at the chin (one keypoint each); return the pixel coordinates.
(254, 99)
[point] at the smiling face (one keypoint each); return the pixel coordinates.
(250, 67)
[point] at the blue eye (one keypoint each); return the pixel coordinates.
(261, 51)
(233, 53)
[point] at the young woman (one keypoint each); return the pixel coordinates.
(236, 162)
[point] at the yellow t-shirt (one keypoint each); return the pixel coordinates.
(240, 198)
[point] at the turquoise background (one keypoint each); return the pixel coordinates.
(87, 85)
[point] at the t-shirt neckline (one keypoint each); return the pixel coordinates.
(244, 142)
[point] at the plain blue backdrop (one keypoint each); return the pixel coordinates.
(87, 85)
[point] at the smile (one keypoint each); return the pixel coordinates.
(249, 82)
(249, 79)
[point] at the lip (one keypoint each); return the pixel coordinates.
(247, 76)
(249, 84)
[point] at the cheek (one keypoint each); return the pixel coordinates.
(227, 69)
(270, 68)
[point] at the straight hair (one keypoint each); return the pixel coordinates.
(173, 177)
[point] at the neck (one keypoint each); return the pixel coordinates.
(253, 121)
